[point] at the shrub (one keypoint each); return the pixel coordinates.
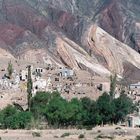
(137, 138)
(80, 127)
(99, 131)
(12, 118)
(118, 128)
(65, 135)
(81, 136)
(36, 134)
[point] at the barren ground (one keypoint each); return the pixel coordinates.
(106, 133)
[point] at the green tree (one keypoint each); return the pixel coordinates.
(113, 82)
(56, 111)
(90, 113)
(12, 118)
(29, 87)
(74, 112)
(19, 120)
(10, 69)
(7, 113)
(39, 104)
(106, 108)
(61, 113)
(123, 106)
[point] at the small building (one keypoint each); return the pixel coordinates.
(117, 95)
(66, 72)
(133, 121)
(101, 84)
(134, 86)
(5, 84)
(23, 75)
(59, 87)
(39, 85)
(49, 85)
(39, 70)
(17, 79)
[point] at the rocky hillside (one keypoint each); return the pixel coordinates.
(122, 20)
(81, 34)
(119, 18)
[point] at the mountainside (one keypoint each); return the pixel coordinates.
(119, 18)
(71, 33)
(122, 20)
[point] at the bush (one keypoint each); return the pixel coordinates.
(36, 134)
(137, 138)
(12, 118)
(80, 127)
(99, 131)
(118, 128)
(81, 136)
(39, 103)
(65, 135)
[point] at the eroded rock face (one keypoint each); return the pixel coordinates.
(114, 52)
(120, 19)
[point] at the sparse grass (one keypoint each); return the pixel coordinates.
(88, 127)
(81, 136)
(65, 135)
(80, 127)
(36, 134)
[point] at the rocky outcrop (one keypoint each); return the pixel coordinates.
(73, 56)
(114, 52)
(68, 31)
